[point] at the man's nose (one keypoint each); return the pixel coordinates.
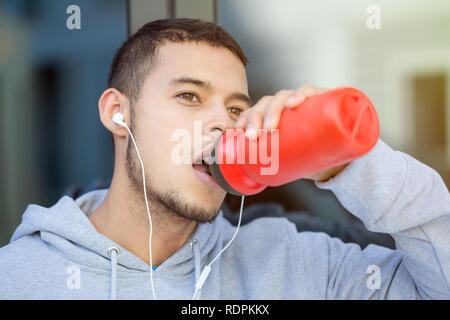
(212, 133)
(218, 123)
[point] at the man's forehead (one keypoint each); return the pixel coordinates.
(201, 64)
(192, 56)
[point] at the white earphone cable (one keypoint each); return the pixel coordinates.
(201, 280)
(148, 212)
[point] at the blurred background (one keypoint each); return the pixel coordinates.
(52, 142)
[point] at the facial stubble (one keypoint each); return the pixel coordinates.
(164, 205)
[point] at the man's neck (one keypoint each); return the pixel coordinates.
(124, 220)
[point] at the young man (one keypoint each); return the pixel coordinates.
(168, 75)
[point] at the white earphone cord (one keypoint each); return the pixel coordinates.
(207, 268)
(148, 213)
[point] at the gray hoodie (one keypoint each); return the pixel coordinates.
(56, 253)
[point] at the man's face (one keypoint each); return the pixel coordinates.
(191, 82)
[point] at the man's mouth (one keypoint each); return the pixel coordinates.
(208, 171)
(203, 167)
(201, 170)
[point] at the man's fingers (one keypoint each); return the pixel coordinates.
(298, 96)
(294, 99)
(266, 112)
(240, 123)
(245, 116)
(274, 109)
(254, 119)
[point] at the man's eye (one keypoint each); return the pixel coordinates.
(188, 97)
(236, 111)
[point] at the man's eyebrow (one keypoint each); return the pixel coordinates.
(243, 97)
(193, 81)
(204, 84)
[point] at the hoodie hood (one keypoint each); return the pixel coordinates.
(65, 227)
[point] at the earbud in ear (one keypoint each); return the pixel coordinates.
(118, 119)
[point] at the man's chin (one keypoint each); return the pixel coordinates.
(198, 210)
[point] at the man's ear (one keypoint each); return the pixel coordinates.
(111, 102)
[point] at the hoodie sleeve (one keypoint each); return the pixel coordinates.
(393, 193)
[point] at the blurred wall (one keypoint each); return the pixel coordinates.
(143, 11)
(50, 81)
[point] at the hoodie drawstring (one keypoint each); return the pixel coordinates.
(113, 253)
(195, 244)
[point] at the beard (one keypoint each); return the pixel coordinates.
(167, 203)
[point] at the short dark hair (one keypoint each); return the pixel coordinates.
(136, 57)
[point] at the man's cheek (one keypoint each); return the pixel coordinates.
(180, 147)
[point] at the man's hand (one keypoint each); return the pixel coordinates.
(265, 114)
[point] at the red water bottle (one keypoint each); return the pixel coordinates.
(322, 132)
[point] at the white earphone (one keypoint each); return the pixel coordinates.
(118, 119)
